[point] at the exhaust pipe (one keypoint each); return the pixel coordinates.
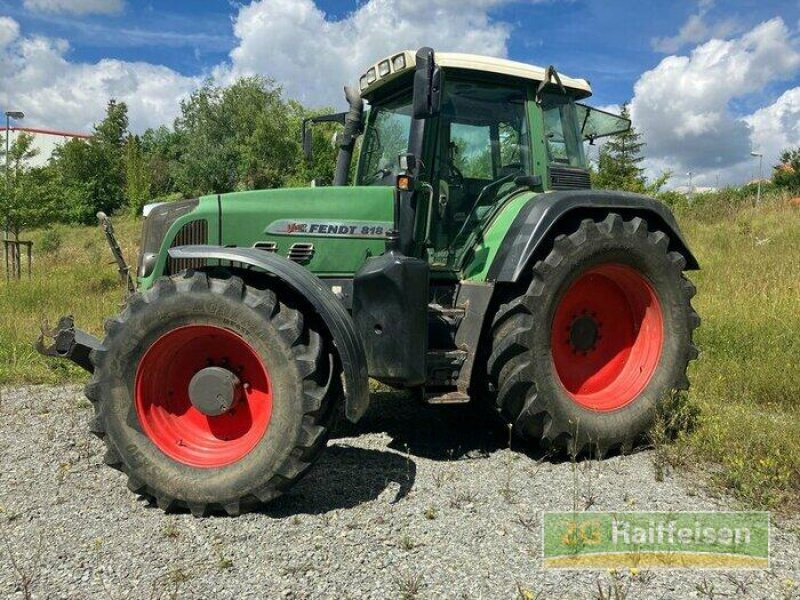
(353, 126)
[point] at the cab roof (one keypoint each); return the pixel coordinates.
(395, 65)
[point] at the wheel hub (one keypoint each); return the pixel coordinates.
(606, 337)
(203, 395)
(584, 333)
(214, 391)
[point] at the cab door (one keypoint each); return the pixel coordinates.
(483, 145)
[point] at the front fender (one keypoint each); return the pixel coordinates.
(329, 307)
(541, 218)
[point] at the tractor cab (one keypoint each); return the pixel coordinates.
(480, 130)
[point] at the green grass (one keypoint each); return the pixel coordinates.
(745, 385)
(77, 278)
(747, 380)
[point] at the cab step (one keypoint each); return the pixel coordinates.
(453, 397)
(446, 312)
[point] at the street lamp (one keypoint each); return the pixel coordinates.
(17, 116)
(760, 157)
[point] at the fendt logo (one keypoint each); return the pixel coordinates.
(354, 229)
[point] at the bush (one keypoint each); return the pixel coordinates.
(51, 241)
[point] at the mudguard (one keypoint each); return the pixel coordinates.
(541, 217)
(329, 307)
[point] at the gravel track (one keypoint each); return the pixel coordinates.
(414, 502)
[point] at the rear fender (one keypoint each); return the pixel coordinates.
(546, 215)
(330, 309)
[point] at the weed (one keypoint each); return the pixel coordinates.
(171, 530)
(50, 242)
(463, 497)
(407, 542)
(705, 589)
(409, 585)
(526, 594)
(26, 572)
(616, 587)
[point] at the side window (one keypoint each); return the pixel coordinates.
(564, 142)
(472, 150)
(554, 134)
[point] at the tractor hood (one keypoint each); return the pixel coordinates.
(329, 230)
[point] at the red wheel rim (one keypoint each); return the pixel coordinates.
(606, 338)
(169, 418)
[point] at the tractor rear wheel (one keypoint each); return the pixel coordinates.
(582, 358)
(212, 394)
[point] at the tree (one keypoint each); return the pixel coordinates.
(107, 155)
(162, 149)
(27, 200)
(72, 166)
(787, 174)
(137, 175)
(619, 165)
(92, 174)
(244, 137)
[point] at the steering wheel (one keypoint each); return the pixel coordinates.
(471, 215)
(456, 178)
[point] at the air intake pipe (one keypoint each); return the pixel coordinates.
(353, 126)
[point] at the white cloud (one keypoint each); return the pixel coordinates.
(776, 127)
(696, 30)
(9, 31)
(77, 7)
(313, 55)
(682, 106)
(54, 92)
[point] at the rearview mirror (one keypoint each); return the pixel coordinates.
(427, 85)
(308, 137)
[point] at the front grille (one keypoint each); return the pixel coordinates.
(301, 252)
(569, 178)
(191, 234)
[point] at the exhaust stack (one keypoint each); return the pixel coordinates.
(353, 126)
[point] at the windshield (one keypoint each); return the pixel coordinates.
(564, 141)
(388, 128)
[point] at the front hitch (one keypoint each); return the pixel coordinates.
(70, 343)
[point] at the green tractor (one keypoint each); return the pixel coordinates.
(470, 261)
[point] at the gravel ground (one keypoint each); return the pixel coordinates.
(414, 502)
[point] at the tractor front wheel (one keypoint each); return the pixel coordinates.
(581, 359)
(212, 394)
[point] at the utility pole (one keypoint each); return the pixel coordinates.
(17, 116)
(760, 156)
(691, 187)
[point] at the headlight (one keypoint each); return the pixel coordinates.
(147, 263)
(384, 68)
(371, 76)
(399, 62)
(363, 83)
(157, 223)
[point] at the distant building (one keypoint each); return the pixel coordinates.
(44, 140)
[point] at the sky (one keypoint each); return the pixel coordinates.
(708, 81)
